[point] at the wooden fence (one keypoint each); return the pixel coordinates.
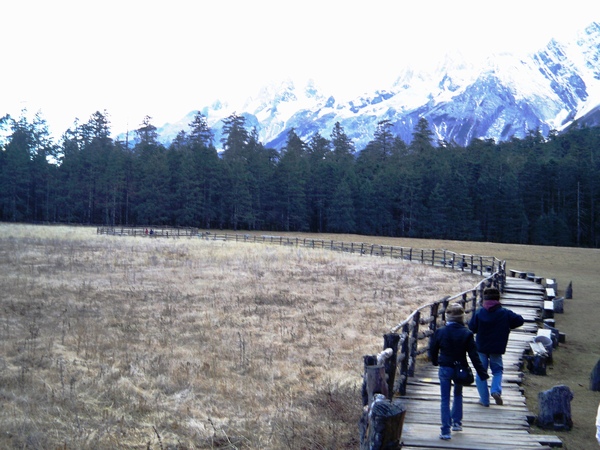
(482, 265)
(434, 257)
(148, 231)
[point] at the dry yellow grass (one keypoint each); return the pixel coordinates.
(117, 342)
(573, 360)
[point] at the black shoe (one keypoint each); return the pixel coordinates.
(497, 398)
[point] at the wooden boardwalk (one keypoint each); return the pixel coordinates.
(495, 427)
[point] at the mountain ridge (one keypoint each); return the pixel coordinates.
(505, 97)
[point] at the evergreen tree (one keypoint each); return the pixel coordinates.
(340, 214)
(422, 137)
(200, 133)
(238, 199)
(43, 167)
(207, 172)
(151, 192)
(16, 171)
(292, 173)
(343, 177)
(321, 180)
(261, 166)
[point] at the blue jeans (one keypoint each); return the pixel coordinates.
(453, 417)
(494, 362)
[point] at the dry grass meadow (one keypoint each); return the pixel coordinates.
(117, 342)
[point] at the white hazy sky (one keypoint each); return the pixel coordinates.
(68, 59)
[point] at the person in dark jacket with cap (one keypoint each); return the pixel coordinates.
(492, 324)
(450, 344)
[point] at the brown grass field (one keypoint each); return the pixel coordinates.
(117, 342)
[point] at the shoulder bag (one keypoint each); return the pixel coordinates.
(463, 375)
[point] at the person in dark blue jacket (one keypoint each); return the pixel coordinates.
(492, 324)
(450, 344)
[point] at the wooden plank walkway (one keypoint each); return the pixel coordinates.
(495, 427)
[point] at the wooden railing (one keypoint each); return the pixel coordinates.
(476, 264)
(481, 265)
(148, 231)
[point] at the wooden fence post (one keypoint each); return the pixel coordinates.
(595, 377)
(474, 301)
(433, 313)
(555, 408)
(405, 359)
(390, 340)
(376, 382)
(414, 342)
(381, 425)
(569, 291)
(368, 360)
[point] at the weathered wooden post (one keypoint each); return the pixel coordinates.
(404, 352)
(390, 341)
(433, 313)
(569, 291)
(368, 360)
(559, 304)
(376, 382)
(382, 419)
(536, 363)
(381, 425)
(595, 378)
(555, 408)
(445, 302)
(413, 343)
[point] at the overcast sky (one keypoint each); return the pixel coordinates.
(68, 59)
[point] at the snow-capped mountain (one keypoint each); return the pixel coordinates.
(505, 97)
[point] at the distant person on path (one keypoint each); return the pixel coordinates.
(451, 344)
(492, 324)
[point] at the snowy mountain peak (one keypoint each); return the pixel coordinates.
(506, 96)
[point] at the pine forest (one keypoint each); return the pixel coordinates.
(537, 190)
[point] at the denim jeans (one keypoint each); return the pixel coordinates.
(453, 417)
(494, 362)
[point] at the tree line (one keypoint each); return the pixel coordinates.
(536, 190)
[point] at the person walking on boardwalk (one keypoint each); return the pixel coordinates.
(451, 344)
(492, 324)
